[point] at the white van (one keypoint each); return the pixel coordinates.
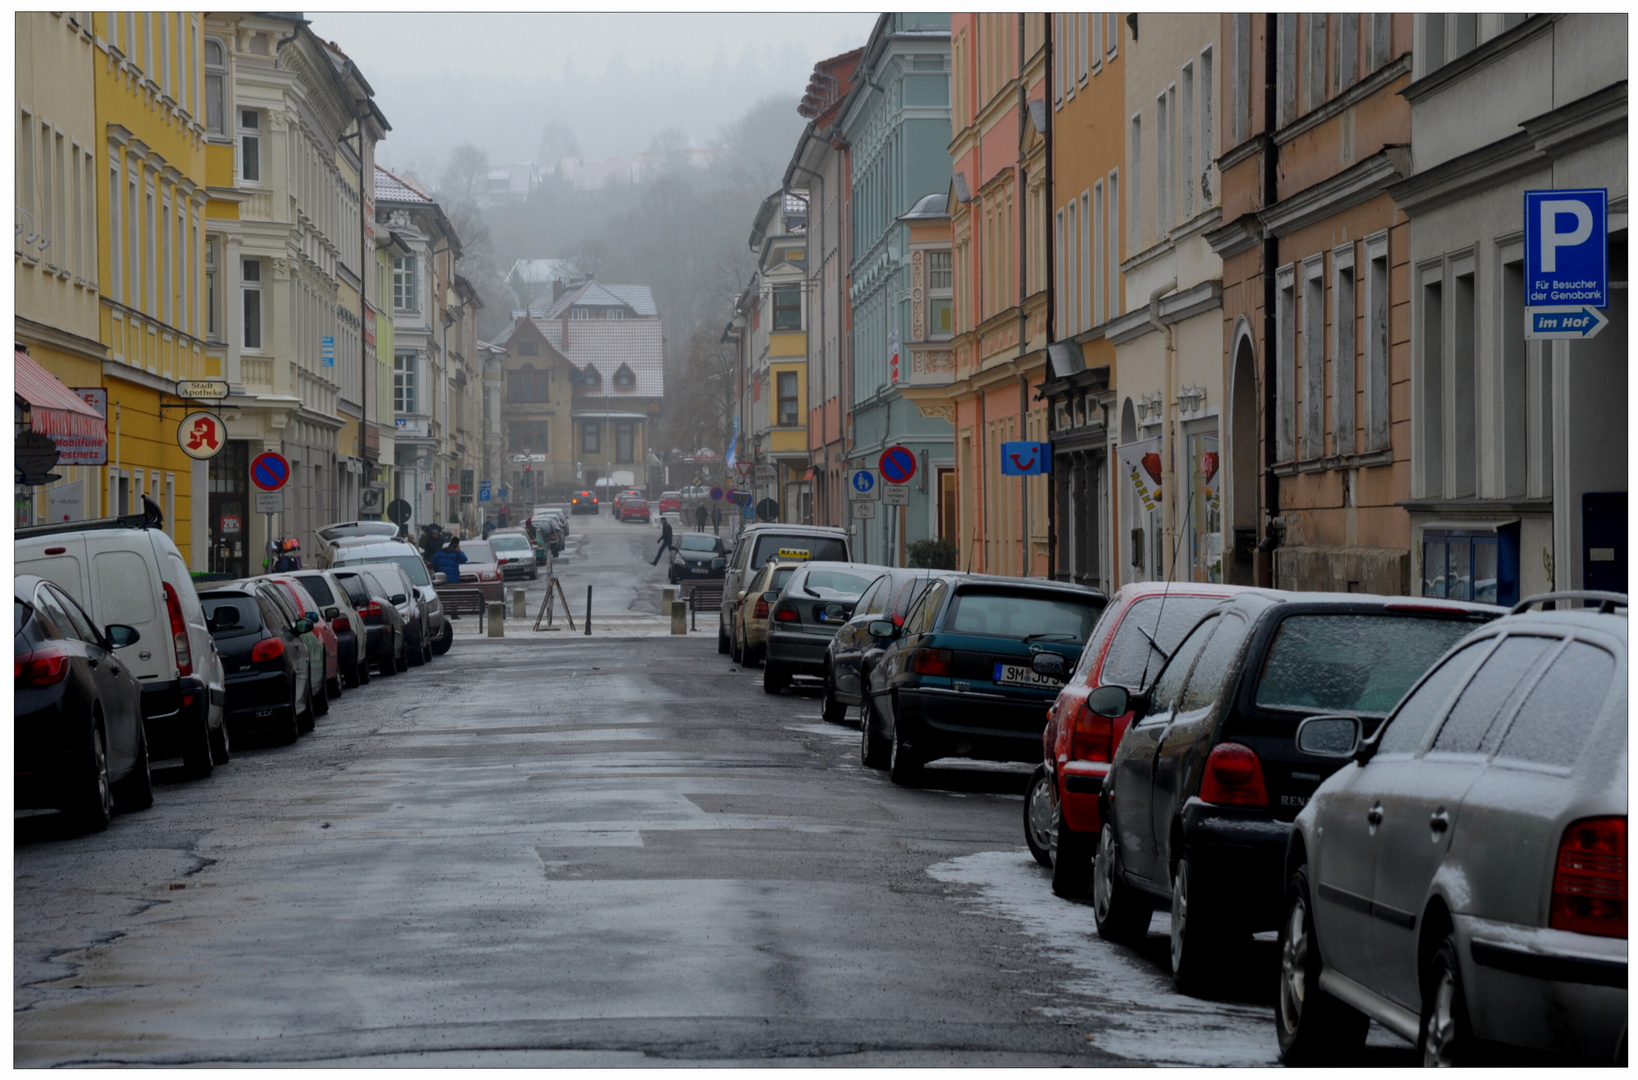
(127, 571)
(331, 537)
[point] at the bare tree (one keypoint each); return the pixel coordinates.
(465, 176)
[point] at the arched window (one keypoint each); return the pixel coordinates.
(215, 85)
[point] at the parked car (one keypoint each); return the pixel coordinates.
(514, 554)
(78, 741)
(961, 677)
(888, 597)
(698, 557)
(816, 601)
(125, 571)
(336, 607)
(559, 512)
(269, 670)
(337, 535)
(482, 569)
(546, 538)
(670, 502)
(408, 557)
(635, 508)
(1206, 781)
(400, 591)
(759, 543)
(1142, 625)
(752, 607)
(1462, 877)
(385, 635)
(583, 502)
(328, 653)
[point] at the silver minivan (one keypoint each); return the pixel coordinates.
(125, 570)
(759, 543)
(1463, 879)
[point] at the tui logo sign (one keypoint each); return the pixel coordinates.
(1026, 459)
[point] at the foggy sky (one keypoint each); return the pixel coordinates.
(615, 79)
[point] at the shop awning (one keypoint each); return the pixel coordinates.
(54, 410)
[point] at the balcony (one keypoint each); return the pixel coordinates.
(929, 365)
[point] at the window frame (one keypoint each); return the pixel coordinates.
(591, 436)
(781, 297)
(248, 143)
(406, 283)
(791, 399)
(405, 388)
(215, 86)
(251, 287)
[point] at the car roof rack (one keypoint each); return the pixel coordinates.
(150, 518)
(1607, 602)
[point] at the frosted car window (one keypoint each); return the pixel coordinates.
(55, 613)
(1211, 671)
(124, 588)
(836, 581)
(1169, 686)
(995, 613)
(1487, 692)
(317, 588)
(82, 622)
(1557, 717)
(1426, 705)
(1132, 661)
(874, 598)
(1351, 663)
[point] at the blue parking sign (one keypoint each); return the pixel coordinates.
(1566, 248)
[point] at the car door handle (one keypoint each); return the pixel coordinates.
(1439, 821)
(1374, 814)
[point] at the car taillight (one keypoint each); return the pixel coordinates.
(179, 631)
(1091, 737)
(1590, 884)
(340, 624)
(267, 649)
(786, 614)
(42, 667)
(931, 661)
(760, 611)
(372, 610)
(1234, 777)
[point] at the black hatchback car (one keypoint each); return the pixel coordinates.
(263, 659)
(1207, 780)
(80, 746)
(960, 678)
(699, 557)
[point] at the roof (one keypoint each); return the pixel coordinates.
(639, 298)
(389, 188)
(928, 206)
(606, 344)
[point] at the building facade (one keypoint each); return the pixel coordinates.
(777, 370)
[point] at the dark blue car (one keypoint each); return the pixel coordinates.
(960, 678)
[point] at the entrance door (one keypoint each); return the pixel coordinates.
(230, 509)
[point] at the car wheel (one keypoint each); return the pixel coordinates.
(196, 760)
(1198, 939)
(445, 640)
(735, 654)
(321, 703)
(1121, 914)
(136, 791)
(831, 710)
(1313, 1027)
(873, 749)
(287, 735)
(1038, 815)
(426, 649)
(334, 687)
(92, 803)
(401, 660)
(1447, 1037)
(415, 652)
(722, 638)
(349, 675)
(774, 679)
(220, 744)
(361, 672)
(903, 762)
(307, 716)
(1072, 853)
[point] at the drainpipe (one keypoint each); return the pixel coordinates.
(1168, 481)
(1022, 202)
(1271, 262)
(1051, 299)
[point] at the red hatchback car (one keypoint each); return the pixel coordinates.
(634, 508)
(1141, 626)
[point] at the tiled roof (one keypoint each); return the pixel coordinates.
(388, 188)
(595, 294)
(606, 344)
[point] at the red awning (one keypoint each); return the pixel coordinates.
(54, 410)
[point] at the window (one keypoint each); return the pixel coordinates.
(1163, 164)
(1485, 699)
(1346, 66)
(1376, 342)
(1313, 357)
(1168, 688)
(1286, 108)
(1556, 719)
(1072, 265)
(211, 330)
(250, 145)
(940, 302)
(1208, 135)
(1097, 254)
(528, 348)
(789, 410)
(1471, 564)
(625, 441)
(1058, 21)
(530, 437)
(215, 85)
(1081, 21)
(590, 378)
(1060, 283)
(1111, 37)
(252, 289)
(624, 379)
(1185, 140)
(1314, 63)
(1083, 262)
(527, 384)
(1285, 364)
(406, 292)
(1097, 42)
(1342, 351)
(1416, 717)
(1134, 165)
(1461, 444)
(1351, 662)
(1430, 409)
(403, 382)
(590, 437)
(1241, 122)
(116, 223)
(1113, 245)
(1211, 673)
(1512, 451)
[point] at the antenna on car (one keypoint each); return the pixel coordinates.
(1166, 588)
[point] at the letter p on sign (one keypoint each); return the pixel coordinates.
(1552, 239)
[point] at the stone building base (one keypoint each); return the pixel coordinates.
(1385, 571)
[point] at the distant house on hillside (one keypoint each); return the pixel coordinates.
(512, 183)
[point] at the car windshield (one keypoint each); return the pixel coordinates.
(1149, 632)
(819, 548)
(478, 551)
(1351, 662)
(836, 582)
(509, 542)
(698, 542)
(1001, 613)
(230, 616)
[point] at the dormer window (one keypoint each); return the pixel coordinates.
(590, 378)
(624, 379)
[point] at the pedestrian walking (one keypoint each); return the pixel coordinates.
(665, 541)
(447, 561)
(699, 518)
(716, 519)
(488, 527)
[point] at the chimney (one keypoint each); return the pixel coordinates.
(557, 289)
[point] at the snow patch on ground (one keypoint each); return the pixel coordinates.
(1129, 1005)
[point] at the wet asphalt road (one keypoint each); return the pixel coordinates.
(555, 850)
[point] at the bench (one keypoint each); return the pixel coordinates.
(463, 600)
(705, 596)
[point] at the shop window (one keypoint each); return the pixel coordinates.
(1464, 564)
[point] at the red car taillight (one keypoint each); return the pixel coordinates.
(179, 631)
(372, 610)
(42, 667)
(760, 611)
(267, 649)
(787, 614)
(340, 624)
(1590, 884)
(931, 661)
(1234, 777)
(1091, 737)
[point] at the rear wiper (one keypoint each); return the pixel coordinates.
(811, 593)
(1060, 636)
(1164, 655)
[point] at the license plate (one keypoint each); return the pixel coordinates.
(699, 569)
(1021, 675)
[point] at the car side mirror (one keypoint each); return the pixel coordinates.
(1049, 664)
(398, 598)
(311, 616)
(120, 635)
(1109, 702)
(882, 628)
(332, 613)
(1329, 736)
(440, 579)
(303, 627)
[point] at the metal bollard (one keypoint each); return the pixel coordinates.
(520, 607)
(588, 610)
(668, 596)
(497, 619)
(679, 617)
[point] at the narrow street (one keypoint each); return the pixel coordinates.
(553, 850)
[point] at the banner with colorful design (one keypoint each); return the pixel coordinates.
(1140, 461)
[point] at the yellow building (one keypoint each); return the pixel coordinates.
(150, 86)
(778, 369)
